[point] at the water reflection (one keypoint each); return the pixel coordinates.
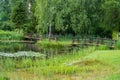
(21, 48)
(12, 47)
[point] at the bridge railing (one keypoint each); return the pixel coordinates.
(93, 42)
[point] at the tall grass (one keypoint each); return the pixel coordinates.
(60, 64)
(47, 66)
(53, 44)
(98, 62)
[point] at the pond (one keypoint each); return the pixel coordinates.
(14, 49)
(17, 49)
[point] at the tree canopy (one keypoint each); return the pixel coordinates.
(78, 16)
(89, 17)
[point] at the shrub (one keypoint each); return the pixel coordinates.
(6, 25)
(117, 45)
(10, 35)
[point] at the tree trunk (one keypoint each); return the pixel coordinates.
(50, 30)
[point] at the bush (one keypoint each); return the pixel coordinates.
(10, 35)
(6, 25)
(117, 45)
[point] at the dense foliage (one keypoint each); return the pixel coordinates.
(10, 35)
(93, 17)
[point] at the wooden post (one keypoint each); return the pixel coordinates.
(111, 45)
(97, 42)
(50, 29)
(90, 41)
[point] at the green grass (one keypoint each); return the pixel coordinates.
(53, 44)
(112, 77)
(83, 65)
(54, 65)
(89, 65)
(111, 57)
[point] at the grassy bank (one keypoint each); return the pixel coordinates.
(54, 45)
(44, 67)
(83, 65)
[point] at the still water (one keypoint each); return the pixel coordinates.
(12, 47)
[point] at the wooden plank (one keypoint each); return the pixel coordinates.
(27, 37)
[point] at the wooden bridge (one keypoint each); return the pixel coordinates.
(93, 42)
(31, 38)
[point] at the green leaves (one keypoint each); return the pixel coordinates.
(78, 16)
(63, 16)
(111, 10)
(19, 14)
